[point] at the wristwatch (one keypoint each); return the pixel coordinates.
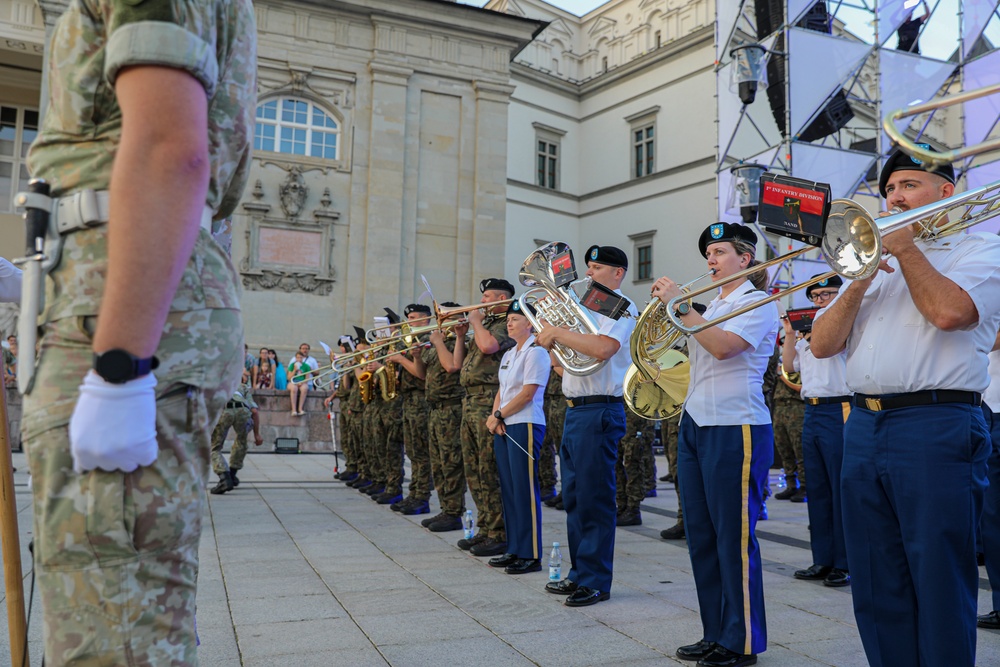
(118, 366)
(683, 308)
(498, 415)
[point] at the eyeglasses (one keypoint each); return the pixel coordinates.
(822, 296)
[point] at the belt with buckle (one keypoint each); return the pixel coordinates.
(587, 400)
(823, 400)
(928, 397)
(234, 405)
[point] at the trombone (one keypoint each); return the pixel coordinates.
(441, 314)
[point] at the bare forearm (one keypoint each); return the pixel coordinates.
(158, 188)
(831, 329)
(592, 345)
(945, 305)
(522, 399)
(788, 354)
(721, 344)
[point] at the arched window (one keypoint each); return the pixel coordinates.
(296, 126)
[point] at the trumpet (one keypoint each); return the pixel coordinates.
(657, 381)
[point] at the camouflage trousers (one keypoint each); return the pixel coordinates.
(555, 414)
(116, 554)
(371, 435)
(415, 436)
(633, 469)
(480, 464)
(241, 421)
(390, 445)
(443, 425)
(344, 440)
(355, 435)
(788, 440)
(668, 432)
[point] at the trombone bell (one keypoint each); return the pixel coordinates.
(852, 244)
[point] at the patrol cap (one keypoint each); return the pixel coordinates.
(496, 284)
(725, 231)
(515, 307)
(417, 308)
(607, 255)
(900, 161)
(833, 281)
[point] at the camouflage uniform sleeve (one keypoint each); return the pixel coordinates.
(248, 395)
(147, 32)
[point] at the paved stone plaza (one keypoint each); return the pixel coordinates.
(299, 570)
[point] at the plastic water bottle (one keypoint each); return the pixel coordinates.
(782, 482)
(555, 563)
(468, 524)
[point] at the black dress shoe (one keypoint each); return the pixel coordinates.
(675, 532)
(723, 657)
(488, 547)
(813, 572)
(564, 587)
(523, 566)
(503, 561)
(837, 578)
(696, 651)
(990, 620)
(585, 596)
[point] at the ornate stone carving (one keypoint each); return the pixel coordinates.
(288, 282)
(293, 193)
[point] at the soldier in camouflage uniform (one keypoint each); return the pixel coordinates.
(163, 94)
(390, 444)
(669, 434)
(356, 435)
(632, 469)
(787, 413)
(555, 412)
(240, 414)
(373, 434)
(415, 435)
(443, 391)
(342, 393)
(480, 361)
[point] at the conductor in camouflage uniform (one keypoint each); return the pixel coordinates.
(480, 359)
(145, 142)
(240, 414)
(555, 412)
(443, 391)
(415, 435)
(633, 469)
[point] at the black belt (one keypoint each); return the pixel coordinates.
(233, 405)
(587, 400)
(929, 397)
(827, 399)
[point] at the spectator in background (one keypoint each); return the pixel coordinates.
(298, 385)
(910, 31)
(262, 355)
(10, 358)
(311, 361)
(248, 360)
(280, 374)
(264, 375)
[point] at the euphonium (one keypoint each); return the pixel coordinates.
(556, 306)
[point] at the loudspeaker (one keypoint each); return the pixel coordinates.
(286, 446)
(834, 116)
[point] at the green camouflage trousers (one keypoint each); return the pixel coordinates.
(555, 414)
(345, 440)
(240, 420)
(480, 464)
(116, 554)
(635, 463)
(390, 446)
(372, 434)
(356, 426)
(787, 420)
(417, 449)
(668, 432)
(443, 425)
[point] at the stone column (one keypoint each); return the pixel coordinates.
(386, 179)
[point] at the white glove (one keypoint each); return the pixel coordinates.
(113, 426)
(10, 282)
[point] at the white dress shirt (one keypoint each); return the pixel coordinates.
(609, 380)
(893, 349)
(529, 365)
(729, 392)
(821, 378)
(991, 396)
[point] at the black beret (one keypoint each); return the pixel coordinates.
(607, 255)
(515, 307)
(450, 304)
(496, 284)
(417, 308)
(725, 231)
(833, 281)
(900, 161)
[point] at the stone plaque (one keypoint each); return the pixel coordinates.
(290, 247)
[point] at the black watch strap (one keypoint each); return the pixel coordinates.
(118, 366)
(498, 415)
